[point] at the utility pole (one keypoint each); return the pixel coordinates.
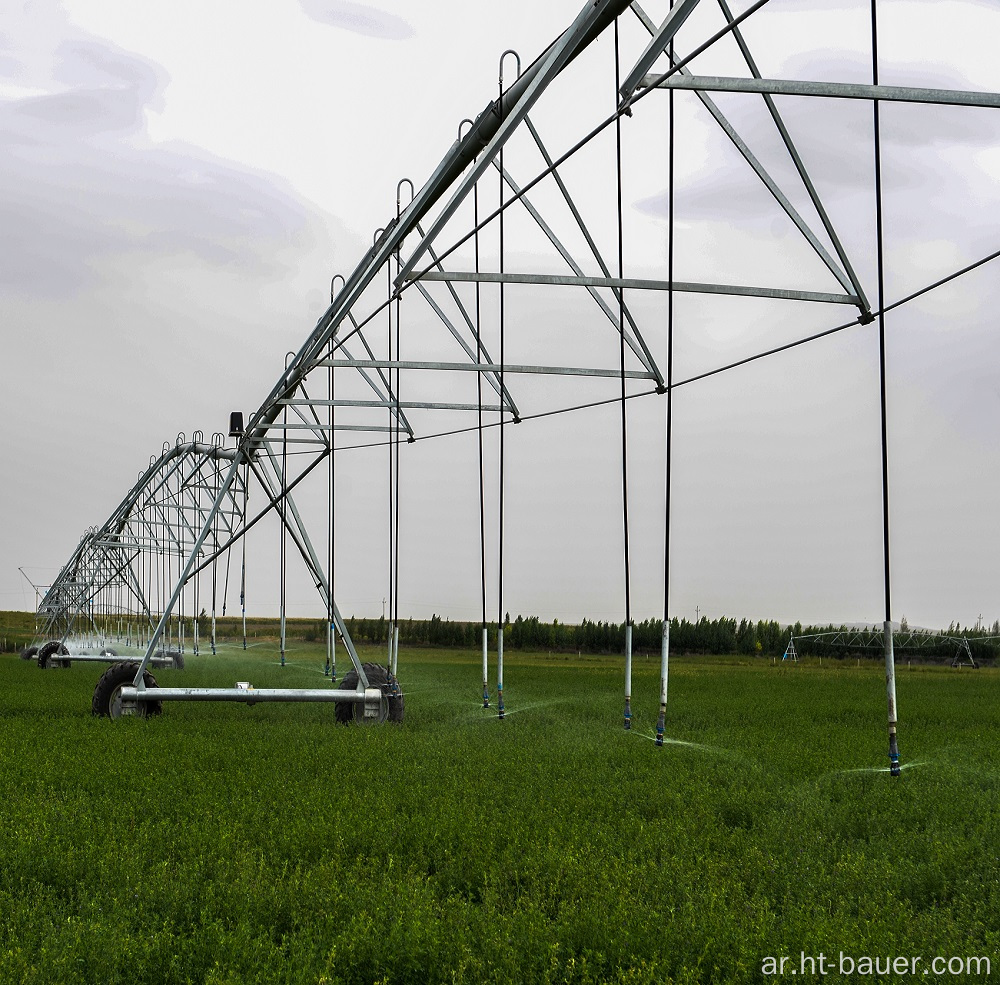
(697, 614)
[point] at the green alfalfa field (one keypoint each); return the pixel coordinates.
(220, 843)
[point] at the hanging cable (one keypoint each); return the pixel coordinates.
(393, 666)
(225, 587)
(197, 578)
(624, 107)
(392, 515)
(331, 644)
(624, 415)
(661, 721)
(479, 428)
(283, 564)
(890, 663)
(503, 404)
(395, 441)
(243, 570)
(160, 573)
(215, 544)
(178, 549)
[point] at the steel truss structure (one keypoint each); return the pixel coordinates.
(111, 592)
(902, 639)
(414, 343)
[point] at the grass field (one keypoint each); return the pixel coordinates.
(219, 843)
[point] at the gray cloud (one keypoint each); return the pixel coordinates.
(90, 206)
(359, 18)
(88, 61)
(80, 184)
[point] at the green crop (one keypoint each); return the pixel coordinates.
(220, 843)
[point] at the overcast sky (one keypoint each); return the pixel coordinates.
(179, 182)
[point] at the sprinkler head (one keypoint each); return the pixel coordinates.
(893, 755)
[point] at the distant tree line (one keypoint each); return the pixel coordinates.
(765, 638)
(715, 636)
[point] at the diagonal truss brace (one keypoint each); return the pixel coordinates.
(633, 283)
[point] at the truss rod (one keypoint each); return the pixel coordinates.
(849, 280)
(834, 90)
(485, 367)
(679, 13)
(492, 378)
(406, 404)
(371, 355)
(316, 443)
(772, 186)
(523, 95)
(632, 283)
(248, 525)
(636, 343)
(300, 537)
(139, 545)
(793, 153)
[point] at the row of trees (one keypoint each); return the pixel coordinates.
(766, 638)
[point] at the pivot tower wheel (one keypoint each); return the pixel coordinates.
(49, 654)
(392, 699)
(107, 702)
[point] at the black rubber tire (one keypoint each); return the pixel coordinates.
(178, 660)
(106, 702)
(49, 653)
(378, 676)
(109, 652)
(29, 653)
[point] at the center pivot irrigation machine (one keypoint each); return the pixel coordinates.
(922, 643)
(523, 214)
